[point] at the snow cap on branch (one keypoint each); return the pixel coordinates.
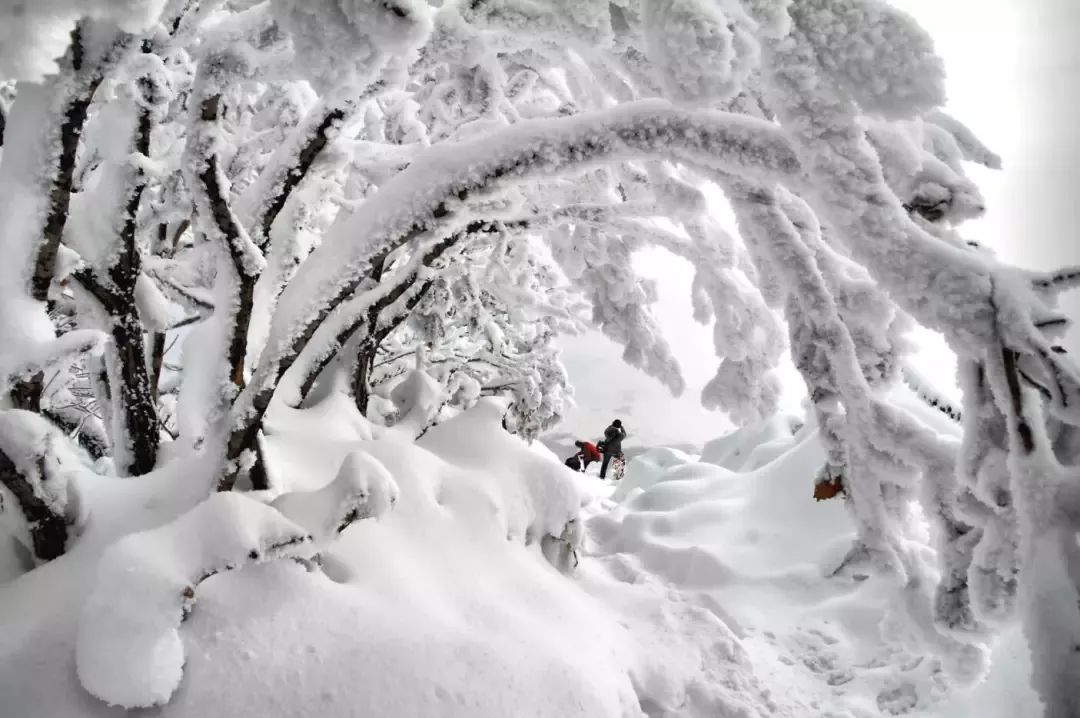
(327, 35)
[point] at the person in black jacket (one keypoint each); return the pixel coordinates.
(612, 447)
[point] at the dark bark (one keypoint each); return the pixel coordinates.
(365, 354)
(361, 378)
(257, 474)
(370, 319)
(74, 117)
(1016, 402)
(114, 290)
(27, 393)
(48, 531)
(291, 176)
(157, 361)
(136, 396)
(94, 445)
(231, 235)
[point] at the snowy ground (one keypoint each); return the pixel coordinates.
(705, 586)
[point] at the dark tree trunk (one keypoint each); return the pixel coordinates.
(48, 531)
(135, 397)
(257, 475)
(74, 117)
(157, 361)
(361, 377)
(231, 236)
(27, 393)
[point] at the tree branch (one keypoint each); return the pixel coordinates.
(48, 530)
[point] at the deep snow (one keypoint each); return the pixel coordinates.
(700, 588)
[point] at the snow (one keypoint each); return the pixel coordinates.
(35, 35)
(362, 489)
(705, 590)
(478, 141)
(128, 651)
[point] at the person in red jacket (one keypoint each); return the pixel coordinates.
(588, 453)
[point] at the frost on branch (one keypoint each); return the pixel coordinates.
(699, 55)
(874, 52)
(600, 265)
(332, 38)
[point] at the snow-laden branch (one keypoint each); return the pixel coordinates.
(34, 461)
(925, 391)
(1060, 281)
(129, 651)
(425, 199)
(882, 446)
(958, 292)
(426, 196)
(33, 358)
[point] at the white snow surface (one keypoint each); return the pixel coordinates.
(707, 591)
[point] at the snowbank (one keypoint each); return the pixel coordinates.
(756, 550)
(752, 446)
(645, 469)
(449, 605)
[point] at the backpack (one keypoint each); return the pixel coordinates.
(573, 463)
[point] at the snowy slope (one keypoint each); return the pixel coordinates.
(754, 548)
(448, 606)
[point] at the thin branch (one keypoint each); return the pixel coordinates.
(1016, 400)
(74, 117)
(1061, 280)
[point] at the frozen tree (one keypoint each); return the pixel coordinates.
(302, 188)
(483, 328)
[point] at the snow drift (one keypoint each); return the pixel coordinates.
(448, 605)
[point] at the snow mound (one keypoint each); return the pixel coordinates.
(129, 651)
(417, 398)
(821, 628)
(456, 603)
(646, 468)
(363, 489)
(752, 446)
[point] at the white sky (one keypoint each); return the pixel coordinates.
(1014, 78)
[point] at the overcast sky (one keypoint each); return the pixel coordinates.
(1014, 77)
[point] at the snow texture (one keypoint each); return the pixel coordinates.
(129, 651)
(363, 489)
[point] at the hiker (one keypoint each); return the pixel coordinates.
(588, 453)
(611, 447)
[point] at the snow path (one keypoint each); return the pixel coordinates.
(753, 550)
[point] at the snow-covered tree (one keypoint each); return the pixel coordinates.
(291, 183)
